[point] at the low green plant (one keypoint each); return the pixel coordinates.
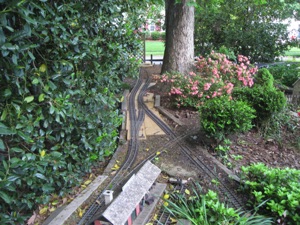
(228, 52)
(206, 209)
(236, 157)
(285, 74)
(221, 116)
(280, 187)
(155, 35)
(263, 96)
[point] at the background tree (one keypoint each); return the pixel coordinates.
(179, 50)
(249, 27)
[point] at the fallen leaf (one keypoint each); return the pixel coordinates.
(31, 219)
(87, 182)
(80, 212)
(166, 204)
(173, 220)
(157, 153)
(155, 217)
(166, 196)
(116, 167)
(187, 192)
(98, 202)
(64, 201)
(43, 210)
(52, 209)
(54, 202)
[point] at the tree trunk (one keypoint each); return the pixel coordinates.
(179, 51)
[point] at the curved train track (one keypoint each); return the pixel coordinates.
(137, 115)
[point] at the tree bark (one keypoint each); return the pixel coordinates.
(179, 50)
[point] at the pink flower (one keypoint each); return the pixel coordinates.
(207, 86)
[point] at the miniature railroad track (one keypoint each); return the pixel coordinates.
(233, 200)
(135, 123)
(163, 216)
(137, 115)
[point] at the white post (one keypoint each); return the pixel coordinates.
(108, 196)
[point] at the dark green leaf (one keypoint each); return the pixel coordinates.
(5, 197)
(2, 146)
(40, 176)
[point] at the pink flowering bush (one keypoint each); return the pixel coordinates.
(215, 76)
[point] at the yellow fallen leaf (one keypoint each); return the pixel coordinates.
(116, 167)
(91, 175)
(43, 210)
(80, 212)
(149, 223)
(173, 220)
(147, 149)
(87, 182)
(117, 161)
(54, 202)
(157, 153)
(187, 192)
(83, 186)
(166, 204)
(52, 209)
(155, 217)
(166, 196)
(165, 177)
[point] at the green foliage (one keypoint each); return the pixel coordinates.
(264, 78)
(285, 74)
(155, 35)
(221, 116)
(206, 209)
(62, 65)
(280, 187)
(228, 52)
(263, 97)
(246, 27)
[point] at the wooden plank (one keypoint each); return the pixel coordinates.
(169, 115)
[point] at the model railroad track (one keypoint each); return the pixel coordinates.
(163, 216)
(136, 119)
(136, 116)
(223, 190)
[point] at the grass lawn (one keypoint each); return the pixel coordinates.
(155, 48)
(293, 52)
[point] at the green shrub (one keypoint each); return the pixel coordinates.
(264, 78)
(228, 52)
(265, 101)
(221, 116)
(206, 209)
(286, 74)
(62, 63)
(279, 187)
(155, 35)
